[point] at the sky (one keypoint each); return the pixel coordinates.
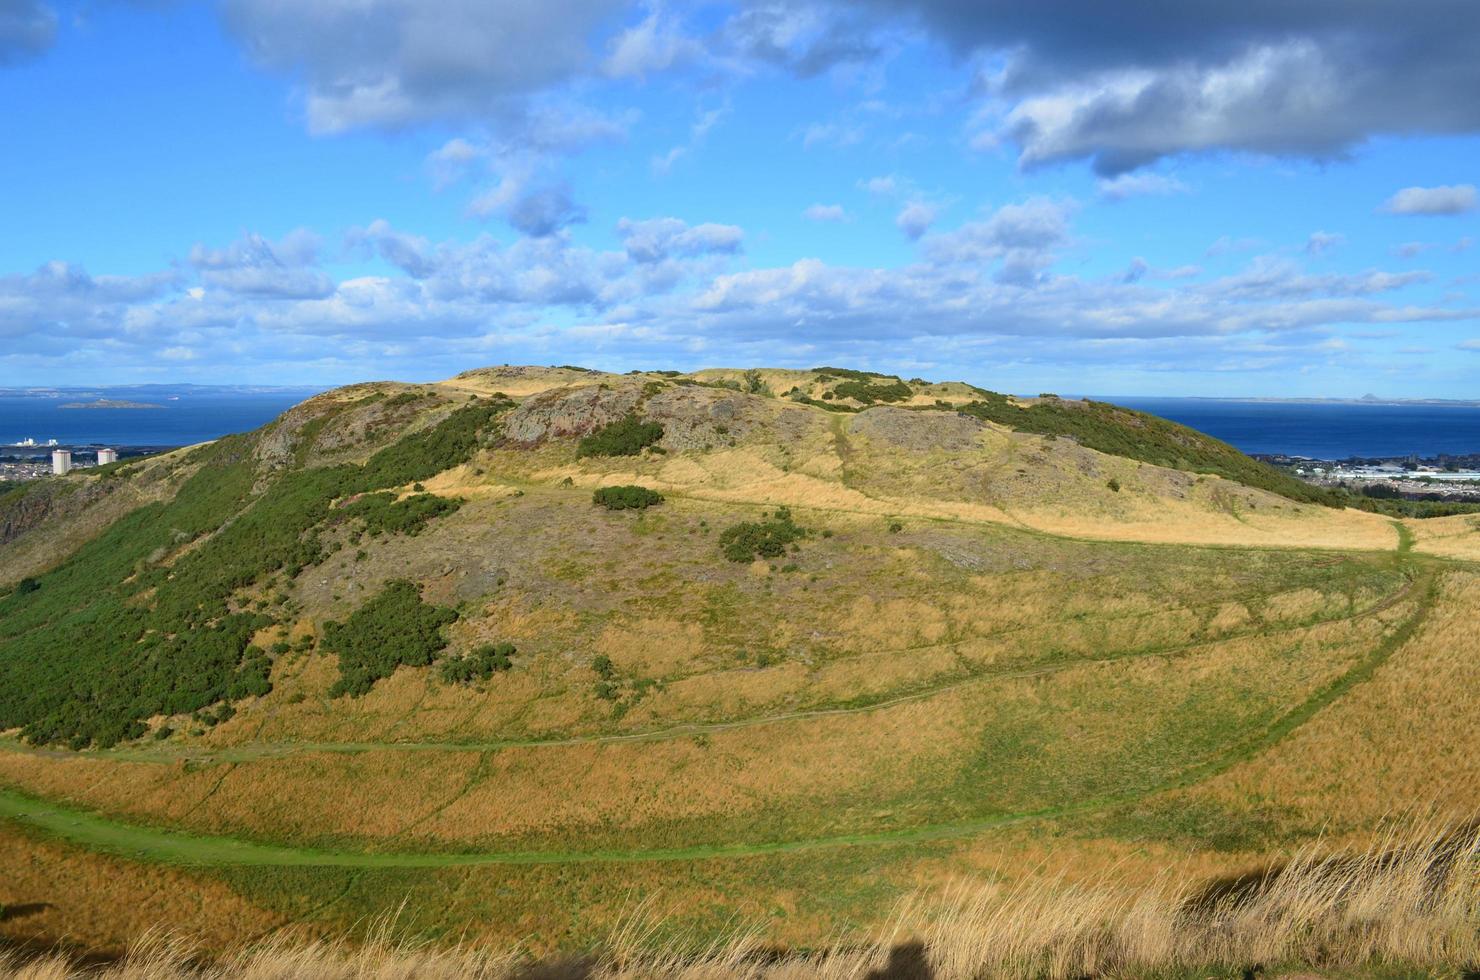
(1267, 198)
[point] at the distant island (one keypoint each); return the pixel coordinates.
(109, 403)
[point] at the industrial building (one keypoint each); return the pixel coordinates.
(61, 462)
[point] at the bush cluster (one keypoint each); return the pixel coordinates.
(392, 629)
(627, 436)
(626, 497)
(384, 514)
(764, 539)
(895, 391)
(478, 665)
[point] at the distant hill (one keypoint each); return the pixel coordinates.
(109, 403)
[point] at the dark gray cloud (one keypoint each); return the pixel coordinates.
(27, 28)
(1124, 84)
(390, 63)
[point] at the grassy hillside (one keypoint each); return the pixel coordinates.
(514, 647)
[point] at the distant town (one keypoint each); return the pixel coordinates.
(1445, 477)
(30, 459)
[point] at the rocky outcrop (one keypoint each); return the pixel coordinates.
(918, 431)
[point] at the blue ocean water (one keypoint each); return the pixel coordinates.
(185, 416)
(1324, 430)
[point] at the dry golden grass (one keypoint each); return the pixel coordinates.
(1449, 537)
(1409, 901)
(52, 890)
(1406, 737)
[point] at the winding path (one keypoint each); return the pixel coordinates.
(137, 841)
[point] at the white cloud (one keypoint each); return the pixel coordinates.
(256, 267)
(653, 45)
(656, 239)
(915, 218)
(1323, 241)
(882, 186)
(1122, 186)
(1024, 238)
(825, 212)
(1449, 199)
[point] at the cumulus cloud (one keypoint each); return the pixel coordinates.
(660, 238)
(391, 63)
(253, 266)
(915, 219)
(1449, 199)
(973, 295)
(1126, 85)
(536, 209)
(825, 212)
(27, 28)
(1023, 238)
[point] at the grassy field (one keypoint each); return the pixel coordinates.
(979, 658)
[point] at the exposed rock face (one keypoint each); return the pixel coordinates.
(695, 417)
(568, 412)
(331, 425)
(918, 431)
(25, 509)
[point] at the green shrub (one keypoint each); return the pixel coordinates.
(603, 666)
(764, 539)
(627, 497)
(26, 586)
(1113, 484)
(479, 665)
(394, 628)
(384, 514)
(896, 391)
(627, 436)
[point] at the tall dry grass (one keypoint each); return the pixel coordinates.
(1413, 900)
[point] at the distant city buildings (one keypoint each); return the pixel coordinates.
(61, 462)
(107, 456)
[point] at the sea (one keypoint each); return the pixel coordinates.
(182, 415)
(1324, 430)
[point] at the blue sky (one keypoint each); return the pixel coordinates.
(1270, 198)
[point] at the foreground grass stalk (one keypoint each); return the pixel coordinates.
(1411, 900)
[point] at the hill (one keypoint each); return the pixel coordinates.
(781, 644)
